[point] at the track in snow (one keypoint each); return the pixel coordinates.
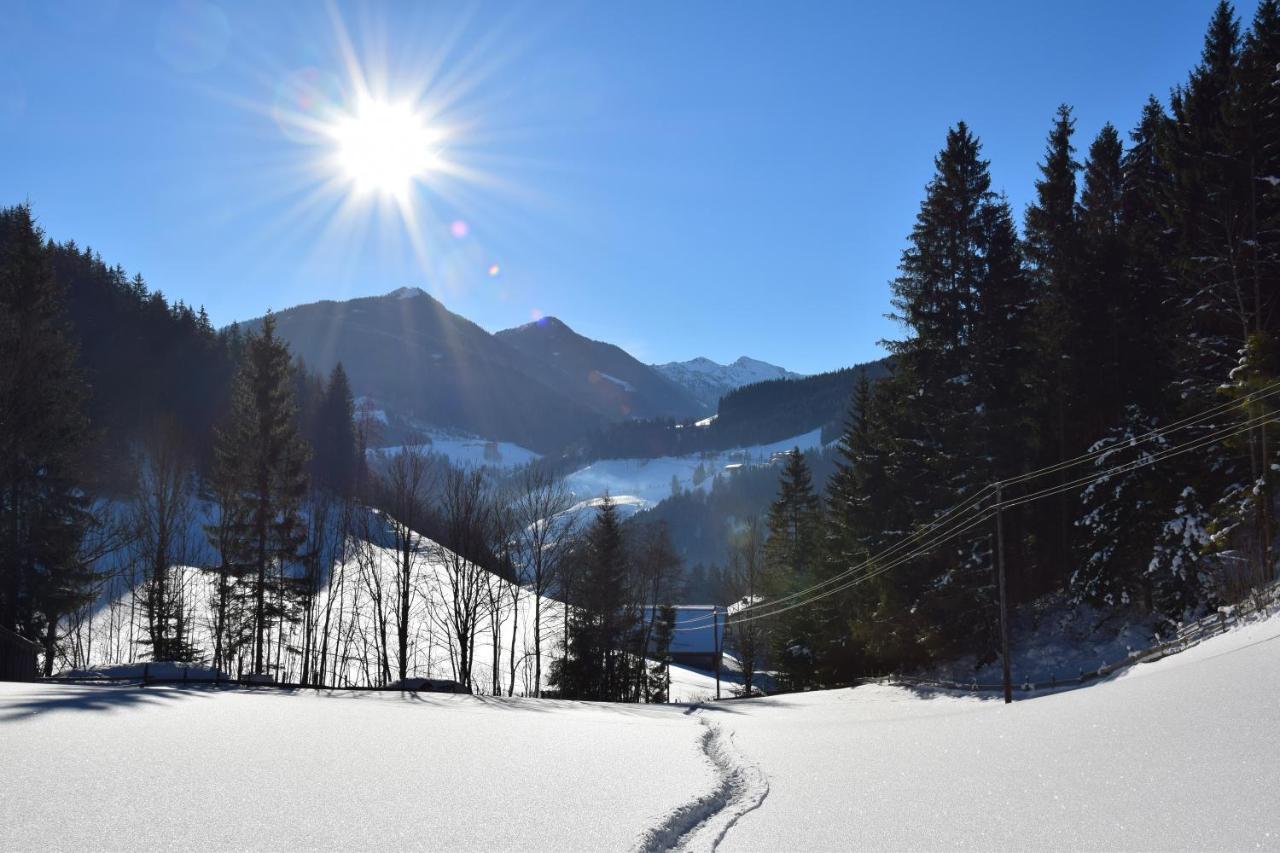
(699, 826)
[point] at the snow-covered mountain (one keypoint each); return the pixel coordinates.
(708, 380)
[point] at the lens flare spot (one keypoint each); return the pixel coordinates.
(494, 270)
(306, 102)
(536, 315)
(459, 229)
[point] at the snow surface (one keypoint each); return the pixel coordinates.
(469, 451)
(183, 768)
(649, 480)
(621, 383)
(1182, 753)
(114, 631)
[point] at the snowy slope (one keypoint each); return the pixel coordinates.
(175, 769)
(360, 585)
(1179, 754)
(708, 380)
(648, 481)
(464, 450)
(1183, 753)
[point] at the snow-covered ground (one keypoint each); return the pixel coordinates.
(127, 768)
(358, 597)
(1055, 639)
(469, 451)
(1183, 753)
(648, 481)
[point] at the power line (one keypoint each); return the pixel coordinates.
(1194, 444)
(1263, 393)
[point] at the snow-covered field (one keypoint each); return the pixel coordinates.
(121, 768)
(469, 451)
(1183, 753)
(357, 598)
(648, 481)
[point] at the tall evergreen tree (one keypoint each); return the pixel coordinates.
(792, 555)
(598, 639)
(43, 431)
(336, 459)
(961, 296)
(1103, 285)
(261, 464)
(1053, 243)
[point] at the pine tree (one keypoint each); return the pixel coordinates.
(602, 626)
(792, 554)
(261, 464)
(961, 295)
(1053, 250)
(1123, 515)
(1103, 284)
(43, 432)
(336, 460)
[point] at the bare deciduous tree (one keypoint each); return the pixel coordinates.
(544, 536)
(466, 528)
(161, 519)
(404, 491)
(746, 571)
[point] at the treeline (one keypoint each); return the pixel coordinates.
(760, 413)
(618, 632)
(125, 424)
(141, 359)
(173, 493)
(705, 523)
(1141, 291)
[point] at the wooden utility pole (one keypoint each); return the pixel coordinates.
(715, 628)
(1004, 608)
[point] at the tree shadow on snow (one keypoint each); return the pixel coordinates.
(88, 698)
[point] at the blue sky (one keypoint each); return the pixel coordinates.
(683, 179)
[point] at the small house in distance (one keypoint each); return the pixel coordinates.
(699, 637)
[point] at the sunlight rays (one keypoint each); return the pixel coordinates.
(394, 144)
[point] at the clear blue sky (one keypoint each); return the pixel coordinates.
(692, 178)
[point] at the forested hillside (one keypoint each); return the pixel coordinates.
(122, 420)
(760, 413)
(1134, 318)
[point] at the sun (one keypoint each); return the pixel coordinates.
(384, 147)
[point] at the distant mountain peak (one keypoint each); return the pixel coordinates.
(550, 323)
(406, 293)
(710, 380)
(601, 375)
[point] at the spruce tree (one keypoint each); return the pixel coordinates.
(792, 554)
(1104, 283)
(43, 433)
(1053, 244)
(261, 465)
(1123, 515)
(336, 460)
(600, 629)
(936, 400)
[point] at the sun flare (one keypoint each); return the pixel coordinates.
(384, 147)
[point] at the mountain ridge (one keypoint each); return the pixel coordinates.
(708, 380)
